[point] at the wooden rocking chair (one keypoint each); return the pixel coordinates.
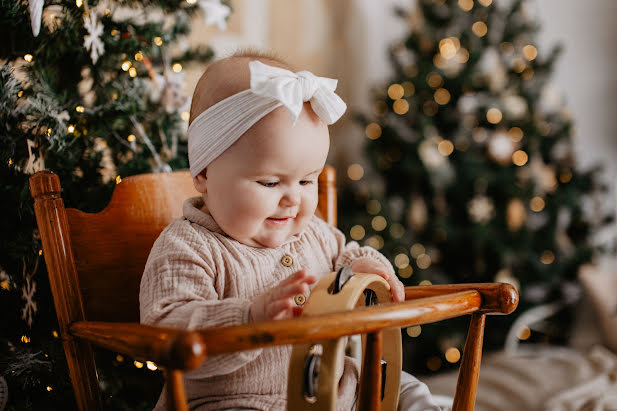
(95, 263)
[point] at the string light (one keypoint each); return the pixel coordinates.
(20, 93)
(447, 48)
(138, 364)
(416, 250)
(379, 223)
(479, 28)
(395, 91)
(433, 363)
(40, 252)
(25, 339)
(151, 366)
(10, 161)
(405, 272)
(375, 241)
(185, 115)
(430, 108)
(118, 179)
(139, 56)
(408, 88)
(131, 138)
(434, 80)
(530, 52)
(397, 230)
(355, 172)
(442, 96)
(519, 158)
(565, 176)
(423, 261)
(49, 388)
(191, 1)
(401, 260)
(465, 5)
(400, 107)
(453, 355)
(28, 58)
(133, 72)
(537, 204)
(373, 131)
(425, 282)
(80, 109)
(119, 358)
(177, 67)
(414, 331)
(126, 65)
(158, 41)
(71, 129)
(515, 134)
(357, 232)
(445, 148)
(373, 207)
(547, 257)
(79, 3)
(493, 115)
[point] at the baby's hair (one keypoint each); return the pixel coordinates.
(215, 85)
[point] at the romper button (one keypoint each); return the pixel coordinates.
(300, 299)
(287, 261)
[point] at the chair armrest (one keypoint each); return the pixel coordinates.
(497, 298)
(167, 347)
(363, 320)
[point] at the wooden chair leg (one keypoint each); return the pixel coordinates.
(176, 394)
(467, 383)
(370, 382)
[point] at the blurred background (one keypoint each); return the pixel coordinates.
(478, 146)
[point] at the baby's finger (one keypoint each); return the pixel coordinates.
(290, 290)
(274, 309)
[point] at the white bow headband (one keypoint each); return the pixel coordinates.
(217, 128)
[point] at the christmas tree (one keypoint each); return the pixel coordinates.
(93, 91)
(475, 179)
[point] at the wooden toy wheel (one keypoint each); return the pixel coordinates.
(312, 382)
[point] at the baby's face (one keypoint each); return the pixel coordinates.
(263, 189)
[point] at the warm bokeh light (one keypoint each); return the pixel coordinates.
(465, 5)
(523, 333)
(375, 241)
(493, 115)
(355, 172)
(373, 207)
(28, 58)
(479, 28)
(515, 134)
(373, 131)
(423, 261)
(485, 3)
(80, 109)
(131, 138)
(400, 106)
(537, 204)
(401, 260)
(416, 250)
(395, 91)
(547, 257)
(133, 72)
(126, 65)
(414, 331)
(379, 223)
(434, 80)
(442, 96)
(445, 147)
(357, 232)
(177, 67)
(405, 272)
(408, 88)
(519, 158)
(530, 52)
(453, 355)
(158, 41)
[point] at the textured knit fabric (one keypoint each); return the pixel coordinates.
(197, 277)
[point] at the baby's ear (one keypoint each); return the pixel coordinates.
(199, 181)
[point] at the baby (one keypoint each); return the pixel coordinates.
(258, 140)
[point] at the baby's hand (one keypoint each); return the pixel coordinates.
(278, 302)
(367, 265)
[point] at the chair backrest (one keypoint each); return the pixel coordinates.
(110, 248)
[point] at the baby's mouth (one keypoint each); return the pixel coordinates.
(279, 220)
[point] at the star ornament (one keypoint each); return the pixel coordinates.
(215, 13)
(92, 40)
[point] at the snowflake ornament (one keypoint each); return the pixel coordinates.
(215, 13)
(92, 41)
(27, 293)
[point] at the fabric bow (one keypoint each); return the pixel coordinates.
(293, 89)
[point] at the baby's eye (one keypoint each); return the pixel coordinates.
(305, 182)
(268, 183)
